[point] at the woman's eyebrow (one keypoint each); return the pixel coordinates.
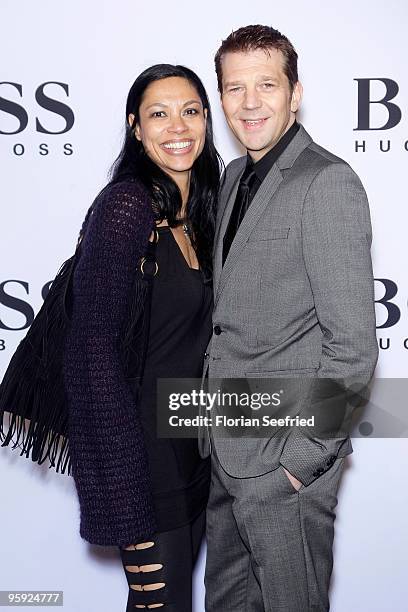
(163, 105)
(157, 104)
(192, 102)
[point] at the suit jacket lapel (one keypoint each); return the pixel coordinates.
(257, 207)
(227, 200)
(261, 200)
(228, 191)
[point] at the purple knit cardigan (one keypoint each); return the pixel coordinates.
(108, 456)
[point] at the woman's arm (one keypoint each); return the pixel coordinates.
(108, 456)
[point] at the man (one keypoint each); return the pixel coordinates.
(293, 298)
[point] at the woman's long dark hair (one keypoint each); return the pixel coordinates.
(166, 196)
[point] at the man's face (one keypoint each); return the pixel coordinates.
(256, 98)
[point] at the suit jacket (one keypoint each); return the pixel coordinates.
(295, 298)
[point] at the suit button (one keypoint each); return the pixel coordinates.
(217, 330)
(318, 472)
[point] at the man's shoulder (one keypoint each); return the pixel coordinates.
(325, 157)
(236, 166)
(309, 163)
(231, 172)
(325, 171)
(316, 157)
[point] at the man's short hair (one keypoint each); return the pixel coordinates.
(253, 37)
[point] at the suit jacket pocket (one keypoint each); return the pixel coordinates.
(288, 373)
(273, 233)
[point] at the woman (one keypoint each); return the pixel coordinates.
(144, 494)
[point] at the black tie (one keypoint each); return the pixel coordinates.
(241, 205)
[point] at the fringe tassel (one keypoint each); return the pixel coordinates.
(33, 407)
(32, 391)
(133, 333)
(134, 341)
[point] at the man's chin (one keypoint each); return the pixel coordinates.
(251, 142)
(256, 149)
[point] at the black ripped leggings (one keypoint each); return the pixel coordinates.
(176, 551)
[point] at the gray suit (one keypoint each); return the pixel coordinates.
(294, 298)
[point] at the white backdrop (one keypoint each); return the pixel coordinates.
(96, 49)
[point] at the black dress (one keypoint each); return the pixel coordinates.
(180, 328)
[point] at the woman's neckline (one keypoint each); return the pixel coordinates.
(160, 228)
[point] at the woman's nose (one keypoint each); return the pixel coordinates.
(177, 125)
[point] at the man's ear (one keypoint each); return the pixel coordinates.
(297, 95)
(131, 119)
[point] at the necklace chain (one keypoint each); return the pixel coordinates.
(185, 224)
(186, 230)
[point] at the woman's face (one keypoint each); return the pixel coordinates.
(172, 124)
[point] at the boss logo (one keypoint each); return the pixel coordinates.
(14, 118)
(19, 305)
(45, 101)
(389, 290)
(366, 102)
(377, 110)
(392, 310)
(393, 313)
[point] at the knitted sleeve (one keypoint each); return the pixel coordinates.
(108, 457)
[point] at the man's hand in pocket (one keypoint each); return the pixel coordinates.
(294, 481)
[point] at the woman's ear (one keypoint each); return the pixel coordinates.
(137, 132)
(131, 120)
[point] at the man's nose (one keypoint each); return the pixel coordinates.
(252, 99)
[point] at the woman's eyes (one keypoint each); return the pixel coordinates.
(188, 111)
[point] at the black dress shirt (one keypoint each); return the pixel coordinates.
(262, 166)
(253, 175)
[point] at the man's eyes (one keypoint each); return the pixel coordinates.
(239, 88)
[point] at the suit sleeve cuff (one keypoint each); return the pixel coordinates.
(307, 459)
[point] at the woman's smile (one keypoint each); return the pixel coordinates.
(178, 147)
